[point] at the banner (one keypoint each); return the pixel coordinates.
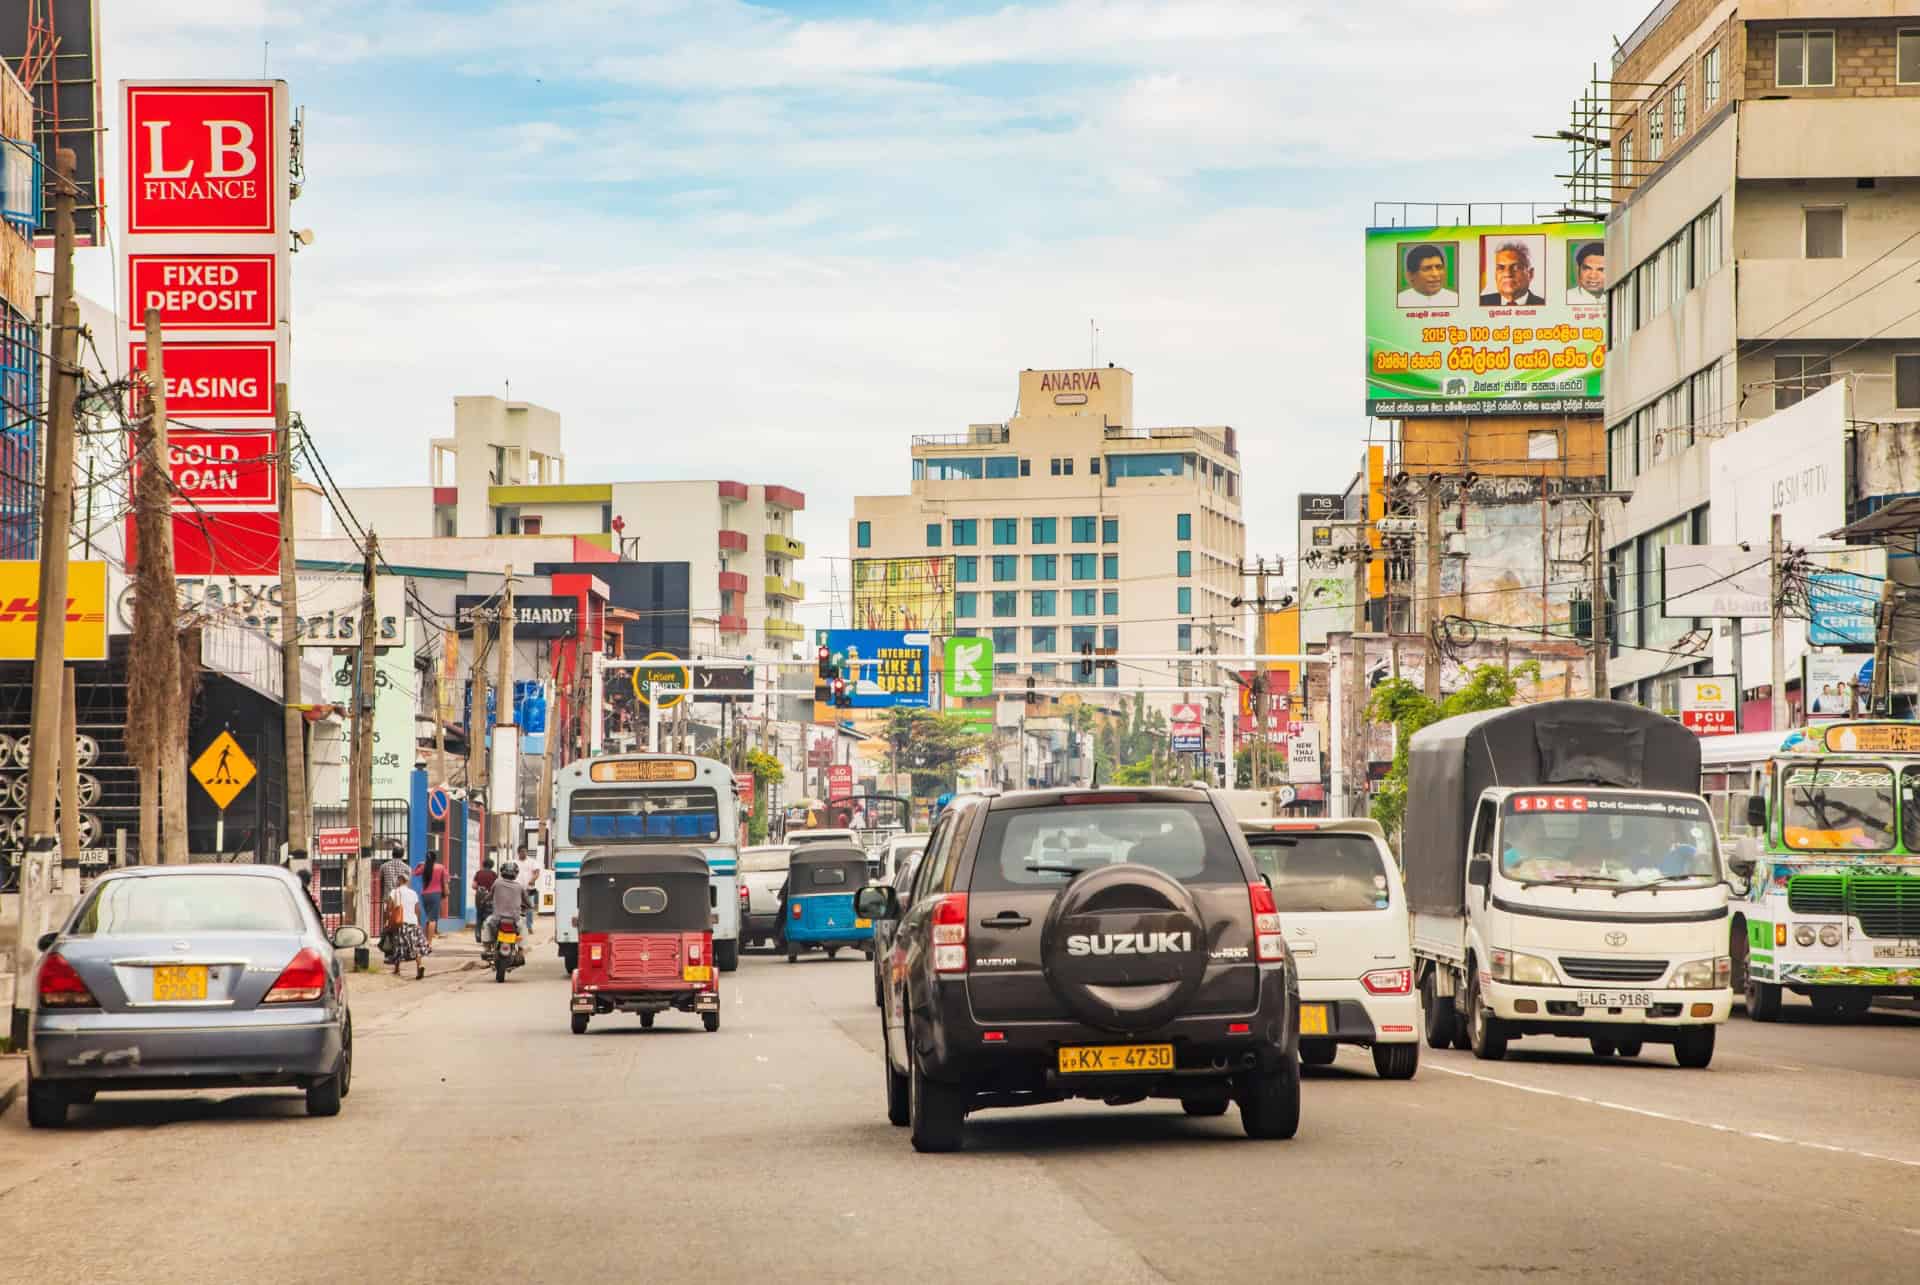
(903, 593)
(1836, 686)
(883, 668)
(1706, 705)
(969, 667)
(1486, 319)
(86, 635)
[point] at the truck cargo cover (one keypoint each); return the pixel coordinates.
(1569, 742)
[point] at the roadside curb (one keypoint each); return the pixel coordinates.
(13, 1074)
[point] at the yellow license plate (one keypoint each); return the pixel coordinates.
(509, 938)
(863, 923)
(1313, 1019)
(696, 973)
(172, 982)
(1108, 1058)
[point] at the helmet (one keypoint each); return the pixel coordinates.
(510, 871)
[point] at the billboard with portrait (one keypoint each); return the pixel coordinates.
(903, 593)
(1486, 319)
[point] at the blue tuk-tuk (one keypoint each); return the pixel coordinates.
(821, 881)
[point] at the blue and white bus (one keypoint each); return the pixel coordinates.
(634, 800)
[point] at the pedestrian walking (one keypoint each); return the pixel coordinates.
(403, 940)
(394, 871)
(433, 888)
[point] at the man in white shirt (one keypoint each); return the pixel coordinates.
(1590, 274)
(1427, 280)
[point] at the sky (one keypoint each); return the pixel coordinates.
(769, 242)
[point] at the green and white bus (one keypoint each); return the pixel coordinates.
(1827, 817)
(636, 800)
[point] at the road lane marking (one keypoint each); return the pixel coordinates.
(1651, 1114)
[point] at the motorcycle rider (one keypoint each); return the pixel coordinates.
(483, 894)
(509, 902)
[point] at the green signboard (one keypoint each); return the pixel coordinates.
(1486, 319)
(969, 667)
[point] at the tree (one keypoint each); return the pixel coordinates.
(1140, 773)
(931, 746)
(1403, 704)
(767, 771)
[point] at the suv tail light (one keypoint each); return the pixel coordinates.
(1388, 981)
(1268, 946)
(950, 933)
(302, 981)
(60, 985)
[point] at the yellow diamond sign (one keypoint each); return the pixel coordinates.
(223, 770)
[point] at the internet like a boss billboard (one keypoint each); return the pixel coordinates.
(206, 241)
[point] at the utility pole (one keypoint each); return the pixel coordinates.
(360, 787)
(1356, 722)
(159, 641)
(504, 801)
(1259, 676)
(1599, 636)
(1431, 682)
(299, 823)
(1776, 575)
(69, 786)
(477, 707)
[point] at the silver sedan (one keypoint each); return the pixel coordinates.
(190, 977)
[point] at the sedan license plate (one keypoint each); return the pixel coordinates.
(1097, 1058)
(1898, 950)
(173, 983)
(1313, 1019)
(863, 923)
(1614, 999)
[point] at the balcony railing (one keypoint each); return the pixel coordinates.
(776, 587)
(784, 546)
(733, 541)
(733, 582)
(785, 630)
(1222, 442)
(733, 624)
(978, 435)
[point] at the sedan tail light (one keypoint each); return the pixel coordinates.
(1268, 946)
(60, 985)
(950, 933)
(1388, 981)
(302, 981)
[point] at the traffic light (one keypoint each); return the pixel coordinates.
(826, 669)
(842, 698)
(1086, 660)
(1033, 697)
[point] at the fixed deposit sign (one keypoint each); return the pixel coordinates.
(203, 291)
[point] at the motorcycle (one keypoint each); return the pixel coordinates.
(504, 952)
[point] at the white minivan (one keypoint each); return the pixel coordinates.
(1344, 914)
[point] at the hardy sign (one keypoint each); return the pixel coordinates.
(200, 159)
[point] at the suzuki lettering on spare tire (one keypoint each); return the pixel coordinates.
(1160, 943)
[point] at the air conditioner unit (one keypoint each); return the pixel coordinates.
(1456, 544)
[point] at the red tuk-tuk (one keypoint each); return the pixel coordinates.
(646, 936)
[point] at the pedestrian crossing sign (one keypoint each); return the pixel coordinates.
(223, 770)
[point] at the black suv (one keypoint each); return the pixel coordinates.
(1114, 944)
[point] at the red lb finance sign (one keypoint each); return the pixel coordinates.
(222, 469)
(200, 159)
(231, 380)
(203, 291)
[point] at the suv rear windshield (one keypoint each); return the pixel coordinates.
(1314, 872)
(1045, 846)
(161, 904)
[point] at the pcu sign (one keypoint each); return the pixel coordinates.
(200, 159)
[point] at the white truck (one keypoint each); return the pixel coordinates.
(1565, 879)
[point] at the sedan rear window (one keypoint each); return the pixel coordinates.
(1044, 847)
(1320, 871)
(765, 860)
(161, 904)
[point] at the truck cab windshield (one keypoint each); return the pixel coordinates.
(1613, 840)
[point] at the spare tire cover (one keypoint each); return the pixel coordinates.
(1124, 947)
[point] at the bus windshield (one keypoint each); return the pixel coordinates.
(1837, 808)
(1616, 839)
(644, 814)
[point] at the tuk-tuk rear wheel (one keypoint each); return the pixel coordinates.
(710, 1020)
(833, 952)
(580, 1021)
(646, 1021)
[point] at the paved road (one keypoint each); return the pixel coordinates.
(482, 1139)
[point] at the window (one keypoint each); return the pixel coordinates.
(1906, 381)
(1183, 637)
(1797, 377)
(1710, 79)
(1083, 529)
(1656, 130)
(1024, 849)
(1043, 602)
(1707, 406)
(933, 535)
(1082, 637)
(1183, 600)
(1110, 636)
(970, 468)
(174, 904)
(1183, 526)
(1626, 156)
(1005, 641)
(1054, 466)
(966, 531)
(1026, 468)
(1048, 670)
(1109, 678)
(1084, 566)
(1657, 629)
(1006, 531)
(1109, 530)
(1321, 873)
(1006, 567)
(1677, 105)
(966, 570)
(1110, 603)
(1907, 69)
(1043, 531)
(863, 534)
(1062, 467)
(1002, 466)
(1803, 59)
(1093, 465)
(1083, 602)
(1109, 566)
(1647, 300)
(1183, 562)
(1042, 638)
(1706, 243)
(1006, 605)
(1043, 566)
(966, 606)
(1159, 464)
(1826, 232)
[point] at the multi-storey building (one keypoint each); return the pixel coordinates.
(1071, 526)
(503, 473)
(1764, 232)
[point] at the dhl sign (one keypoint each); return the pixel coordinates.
(86, 610)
